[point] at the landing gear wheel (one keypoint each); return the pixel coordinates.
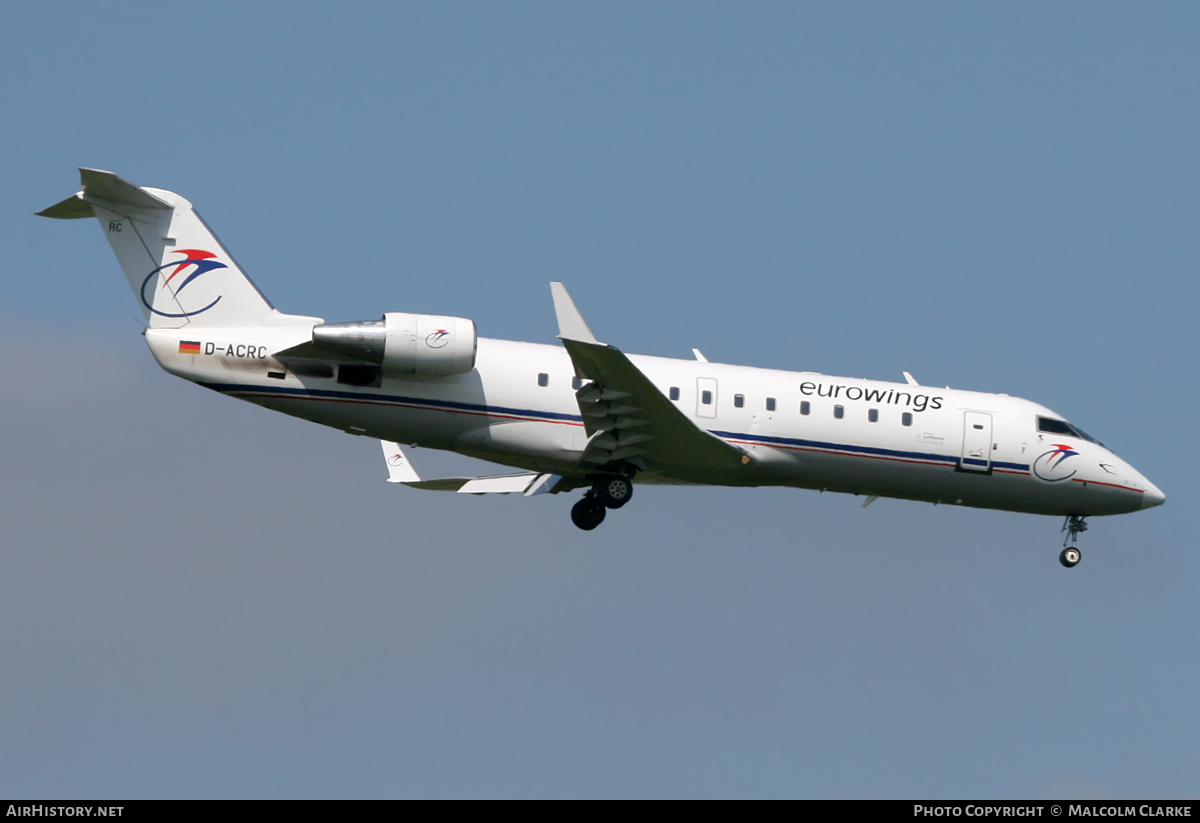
(613, 492)
(1074, 526)
(1070, 557)
(587, 514)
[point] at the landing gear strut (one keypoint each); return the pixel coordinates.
(1074, 525)
(609, 491)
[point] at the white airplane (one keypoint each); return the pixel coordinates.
(584, 415)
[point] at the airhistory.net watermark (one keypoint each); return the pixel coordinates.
(41, 810)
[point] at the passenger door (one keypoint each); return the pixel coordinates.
(977, 442)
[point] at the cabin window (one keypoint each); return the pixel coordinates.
(360, 375)
(577, 383)
(706, 398)
(674, 393)
(739, 400)
(839, 412)
(770, 404)
(906, 418)
(543, 379)
(805, 407)
(873, 415)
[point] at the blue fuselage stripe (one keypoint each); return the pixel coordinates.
(867, 450)
(453, 405)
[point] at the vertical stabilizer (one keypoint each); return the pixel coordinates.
(180, 273)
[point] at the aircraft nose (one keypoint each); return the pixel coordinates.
(1153, 497)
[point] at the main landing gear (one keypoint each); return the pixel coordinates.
(609, 491)
(1073, 526)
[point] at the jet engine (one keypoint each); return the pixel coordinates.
(405, 344)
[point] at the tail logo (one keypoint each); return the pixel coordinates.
(1049, 466)
(199, 261)
(396, 460)
(437, 339)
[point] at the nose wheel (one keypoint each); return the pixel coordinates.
(1074, 525)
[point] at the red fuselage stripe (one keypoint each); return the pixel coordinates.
(273, 396)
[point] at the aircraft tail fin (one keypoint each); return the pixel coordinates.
(177, 268)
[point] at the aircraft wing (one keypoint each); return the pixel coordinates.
(626, 416)
(400, 470)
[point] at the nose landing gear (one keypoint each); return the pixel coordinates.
(1070, 557)
(1074, 525)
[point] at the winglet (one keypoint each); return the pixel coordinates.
(399, 469)
(571, 325)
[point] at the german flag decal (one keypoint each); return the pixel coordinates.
(189, 347)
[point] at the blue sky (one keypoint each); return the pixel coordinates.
(199, 598)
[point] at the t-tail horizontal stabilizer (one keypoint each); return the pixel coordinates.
(400, 470)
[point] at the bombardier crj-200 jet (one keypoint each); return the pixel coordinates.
(584, 415)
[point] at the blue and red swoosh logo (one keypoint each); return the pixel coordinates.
(196, 263)
(1049, 466)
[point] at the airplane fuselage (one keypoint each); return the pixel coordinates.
(517, 407)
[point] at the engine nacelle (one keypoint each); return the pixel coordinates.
(405, 344)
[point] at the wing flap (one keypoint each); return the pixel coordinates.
(442, 484)
(637, 421)
(502, 484)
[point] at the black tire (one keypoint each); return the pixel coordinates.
(587, 514)
(614, 491)
(1070, 557)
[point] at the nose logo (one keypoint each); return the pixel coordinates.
(199, 262)
(1050, 467)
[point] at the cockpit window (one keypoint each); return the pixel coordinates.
(1086, 436)
(1051, 426)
